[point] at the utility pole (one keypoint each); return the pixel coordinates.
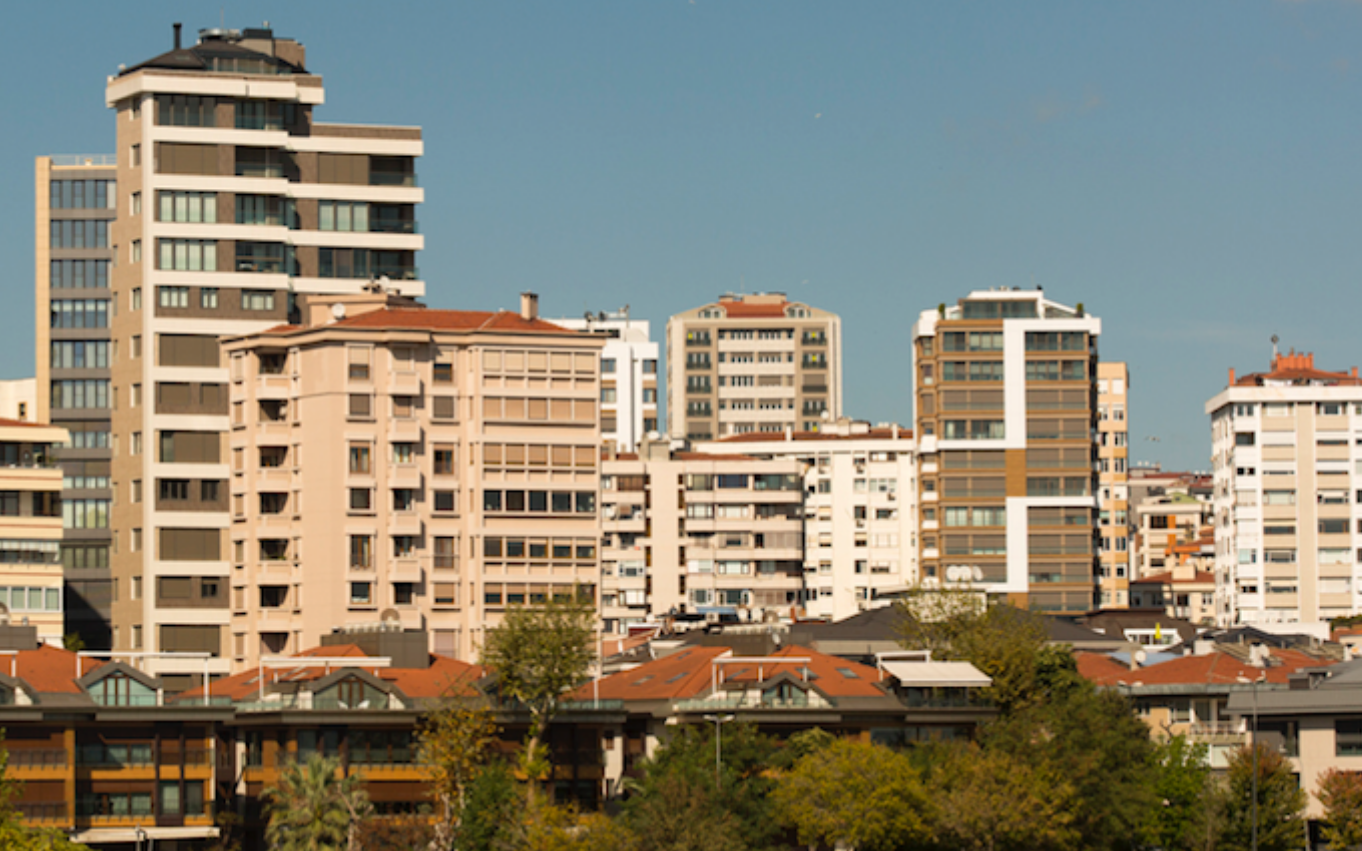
(719, 722)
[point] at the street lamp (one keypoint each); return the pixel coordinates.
(140, 834)
(719, 722)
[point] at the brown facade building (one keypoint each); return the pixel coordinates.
(1006, 395)
(400, 465)
(75, 202)
(752, 363)
(232, 200)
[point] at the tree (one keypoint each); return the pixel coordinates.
(1281, 803)
(14, 835)
(854, 793)
(454, 741)
(992, 800)
(310, 808)
(1182, 814)
(491, 804)
(537, 655)
(1340, 793)
(1006, 643)
(677, 804)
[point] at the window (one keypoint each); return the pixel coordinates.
(257, 300)
(361, 499)
(361, 593)
(174, 297)
(187, 207)
(208, 298)
(188, 255)
(361, 552)
(443, 373)
(80, 313)
(79, 233)
(359, 458)
(343, 216)
(445, 501)
(444, 460)
(361, 406)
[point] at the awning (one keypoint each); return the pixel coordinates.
(936, 674)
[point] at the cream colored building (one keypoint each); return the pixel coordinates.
(1287, 469)
(18, 399)
(628, 375)
(31, 526)
(752, 363)
(75, 203)
(696, 532)
(860, 509)
(1113, 473)
(391, 463)
(231, 202)
(1005, 419)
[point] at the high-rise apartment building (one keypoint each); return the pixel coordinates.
(628, 375)
(396, 464)
(232, 201)
(1005, 384)
(752, 363)
(75, 203)
(31, 527)
(1113, 471)
(694, 532)
(860, 509)
(1286, 462)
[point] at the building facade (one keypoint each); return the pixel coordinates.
(231, 202)
(628, 376)
(1113, 460)
(75, 204)
(31, 522)
(699, 533)
(1005, 384)
(752, 363)
(1285, 468)
(396, 464)
(19, 399)
(860, 510)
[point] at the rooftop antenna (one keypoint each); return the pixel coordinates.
(1275, 340)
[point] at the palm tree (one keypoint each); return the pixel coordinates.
(310, 808)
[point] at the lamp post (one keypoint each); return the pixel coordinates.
(1253, 743)
(719, 722)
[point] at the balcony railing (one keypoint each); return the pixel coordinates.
(38, 758)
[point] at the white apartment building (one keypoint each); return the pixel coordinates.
(628, 375)
(231, 201)
(752, 363)
(695, 532)
(1287, 470)
(860, 512)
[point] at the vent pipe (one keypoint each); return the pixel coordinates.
(177, 35)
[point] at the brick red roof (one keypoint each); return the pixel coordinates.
(1300, 367)
(22, 424)
(1213, 668)
(444, 676)
(1098, 667)
(449, 320)
(745, 310)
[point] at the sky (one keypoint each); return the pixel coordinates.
(1187, 171)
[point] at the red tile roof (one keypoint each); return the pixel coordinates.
(444, 676)
(1099, 667)
(827, 673)
(1295, 367)
(22, 424)
(49, 669)
(746, 310)
(449, 320)
(1213, 668)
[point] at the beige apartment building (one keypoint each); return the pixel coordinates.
(75, 202)
(700, 533)
(232, 201)
(1287, 471)
(402, 465)
(752, 363)
(1004, 423)
(860, 510)
(1113, 473)
(31, 518)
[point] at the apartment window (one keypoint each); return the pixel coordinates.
(361, 406)
(443, 373)
(172, 297)
(442, 407)
(79, 233)
(445, 501)
(257, 300)
(607, 365)
(187, 207)
(343, 216)
(79, 274)
(361, 552)
(404, 453)
(186, 111)
(208, 298)
(75, 394)
(80, 313)
(650, 367)
(188, 255)
(361, 593)
(174, 489)
(80, 355)
(361, 499)
(360, 458)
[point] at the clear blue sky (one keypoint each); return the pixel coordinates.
(1188, 171)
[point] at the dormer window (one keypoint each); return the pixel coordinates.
(120, 689)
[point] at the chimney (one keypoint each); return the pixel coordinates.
(529, 306)
(1231, 376)
(177, 35)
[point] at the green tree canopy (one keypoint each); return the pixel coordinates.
(1182, 813)
(454, 742)
(1281, 802)
(994, 800)
(855, 793)
(312, 808)
(537, 655)
(1340, 793)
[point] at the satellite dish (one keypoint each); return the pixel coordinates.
(338, 310)
(1140, 656)
(390, 616)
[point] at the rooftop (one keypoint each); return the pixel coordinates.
(1296, 369)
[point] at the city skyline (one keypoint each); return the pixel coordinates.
(1176, 171)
